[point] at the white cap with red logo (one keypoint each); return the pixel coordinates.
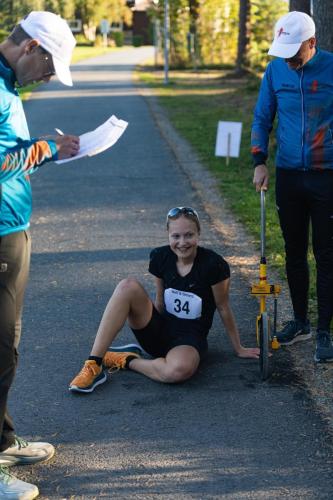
(290, 31)
(55, 37)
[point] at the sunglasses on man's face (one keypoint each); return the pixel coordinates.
(49, 68)
(177, 211)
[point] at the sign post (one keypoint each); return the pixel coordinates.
(104, 27)
(166, 41)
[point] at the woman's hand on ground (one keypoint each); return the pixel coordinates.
(248, 352)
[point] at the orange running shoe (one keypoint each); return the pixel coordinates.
(118, 357)
(89, 377)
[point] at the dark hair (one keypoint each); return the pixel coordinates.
(18, 35)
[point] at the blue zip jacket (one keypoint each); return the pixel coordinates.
(303, 102)
(19, 156)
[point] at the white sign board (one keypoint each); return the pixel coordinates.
(228, 139)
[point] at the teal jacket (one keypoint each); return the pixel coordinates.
(302, 100)
(20, 156)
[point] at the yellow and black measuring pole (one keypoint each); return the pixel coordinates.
(264, 289)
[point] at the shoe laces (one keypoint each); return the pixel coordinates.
(114, 369)
(88, 370)
(117, 360)
(20, 442)
(5, 475)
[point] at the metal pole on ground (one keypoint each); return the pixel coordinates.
(166, 42)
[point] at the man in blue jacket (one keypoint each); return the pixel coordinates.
(298, 88)
(38, 48)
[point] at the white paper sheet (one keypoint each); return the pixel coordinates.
(100, 139)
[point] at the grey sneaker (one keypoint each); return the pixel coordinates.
(12, 488)
(294, 331)
(324, 347)
(22, 452)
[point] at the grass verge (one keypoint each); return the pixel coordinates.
(195, 102)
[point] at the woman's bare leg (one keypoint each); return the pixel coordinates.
(180, 364)
(129, 301)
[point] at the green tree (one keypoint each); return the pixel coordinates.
(242, 62)
(91, 12)
(179, 30)
(194, 14)
(179, 24)
(217, 30)
(323, 18)
(13, 11)
(215, 24)
(264, 14)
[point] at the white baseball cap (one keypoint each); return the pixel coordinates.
(55, 37)
(290, 31)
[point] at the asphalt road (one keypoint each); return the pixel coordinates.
(223, 434)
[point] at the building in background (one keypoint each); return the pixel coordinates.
(141, 29)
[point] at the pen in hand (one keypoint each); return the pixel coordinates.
(67, 145)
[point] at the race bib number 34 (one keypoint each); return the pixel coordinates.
(184, 305)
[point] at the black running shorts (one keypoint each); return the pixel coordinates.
(157, 340)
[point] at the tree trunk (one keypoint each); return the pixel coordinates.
(242, 62)
(300, 5)
(193, 6)
(323, 18)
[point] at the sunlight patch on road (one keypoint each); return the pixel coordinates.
(81, 93)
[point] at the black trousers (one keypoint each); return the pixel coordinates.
(303, 198)
(14, 269)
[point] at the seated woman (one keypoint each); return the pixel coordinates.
(191, 282)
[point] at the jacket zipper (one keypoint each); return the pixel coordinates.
(303, 116)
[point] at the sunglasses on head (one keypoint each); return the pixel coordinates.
(177, 211)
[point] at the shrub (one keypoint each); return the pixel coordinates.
(83, 41)
(118, 37)
(137, 40)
